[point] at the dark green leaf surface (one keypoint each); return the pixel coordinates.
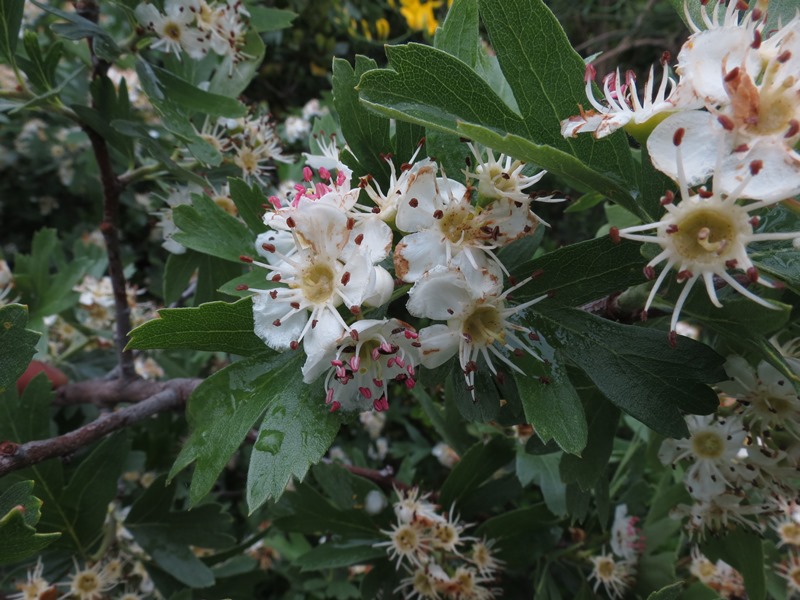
(590, 466)
(743, 551)
(206, 228)
(782, 263)
(249, 202)
(10, 19)
(17, 344)
(19, 514)
(296, 431)
(551, 404)
(334, 556)
(307, 511)
(476, 466)
(216, 326)
(263, 19)
(636, 368)
(166, 534)
(542, 469)
(222, 410)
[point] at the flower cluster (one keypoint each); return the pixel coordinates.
(729, 124)
(197, 27)
(615, 571)
(440, 560)
(325, 253)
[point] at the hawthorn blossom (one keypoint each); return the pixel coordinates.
(627, 540)
(174, 29)
(616, 576)
(704, 235)
(35, 586)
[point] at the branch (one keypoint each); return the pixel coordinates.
(18, 456)
(110, 392)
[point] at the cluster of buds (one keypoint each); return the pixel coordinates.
(732, 117)
(440, 561)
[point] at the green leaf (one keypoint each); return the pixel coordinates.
(585, 202)
(515, 522)
(550, 402)
(10, 19)
(17, 344)
(334, 556)
(671, 592)
(249, 201)
(206, 228)
(582, 272)
(636, 368)
(782, 262)
(547, 78)
(346, 490)
(542, 470)
(590, 466)
(742, 550)
(232, 79)
(162, 86)
(254, 280)
(166, 534)
(295, 433)
(216, 326)
(476, 466)
(19, 514)
(77, 27)
(178, 271)
(263, 19)
(221, 411)
(367, 134)
(307, 511)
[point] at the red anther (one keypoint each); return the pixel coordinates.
(684, 275)
(704, 193)
(756, 166)
(242, 287)
(649, 272)
(358, 239)
(351, 222)
(754, 221)
(518, 352)
(590, 73)
(756, 40)
(416, 344)
(512, 281)
(665, 57)
(346, 278)
(741, 5)
(614, 234)
(421, 142)
(314, 323)
(8, 448)
(757, 14)
(355, 310)
(276, 323)
(731, 264)
(387, 156)
(545, 380)
(438, 214)
(273, 294)
(677, 137)
(450, 311)
(672, 228)
(290, 223)
(335, 405)
(752, 274)
(794, 127)
(470, 367)
(295, 305)
(376, 210)
(726, 122)
(268, 247)
(533, 336)
(276, 278)
(413, 203)
(551, 293)
(308, 174)
(324, 173)
(537, 273)
(672, 338)
(732, 74)
(643, 316)
(245, 259)
(405, 166)
(354, 335)
(741, 148)
(501, 378)
(784, 56)
(294, 345)
(667, 198)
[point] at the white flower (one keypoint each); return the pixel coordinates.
(478, 323)
(501, 177)
(722, 512)
(413, 508)
(705, 235)
(88, 583)
(35, 585)
(482, 556)
(423, 582)
(623, 107)
(174, 29)
(769, 399)
(408, 541)
(713, 448)
(296, 128)
(790, 571)
(615, 576)
(627, 541)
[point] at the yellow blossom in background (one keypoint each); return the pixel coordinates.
(382, 29)
(419, 15)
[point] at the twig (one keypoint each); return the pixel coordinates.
(18, 456)
(110, 392)
(110, 225)
(384, 478)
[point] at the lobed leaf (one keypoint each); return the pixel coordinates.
(19, 514)
(17, 344)
(205, 227)
(476, 466)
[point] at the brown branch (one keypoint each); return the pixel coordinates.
(18, 456)
(110, 225)
(110, 392)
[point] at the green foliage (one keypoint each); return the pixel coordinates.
(10, 21)
(206, 228)
(19, 514)
(17, 344)
(216, 326)
(476, 466)
(743, 551)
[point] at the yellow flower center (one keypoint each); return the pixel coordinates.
(705, 235)
(317, 283)
(485, 326)
(606, 569)
(172, 30)
(708, 444)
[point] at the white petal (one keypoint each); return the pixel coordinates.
(324, 334)
(324, 226)
(382, 288)
(266, 310)
(420, 186)
(418, 253)
(441, 294)
(439, 344)
(778, 179)
(376, 242)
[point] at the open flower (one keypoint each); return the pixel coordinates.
(614, 575)
(174, 29)
(704, 235)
